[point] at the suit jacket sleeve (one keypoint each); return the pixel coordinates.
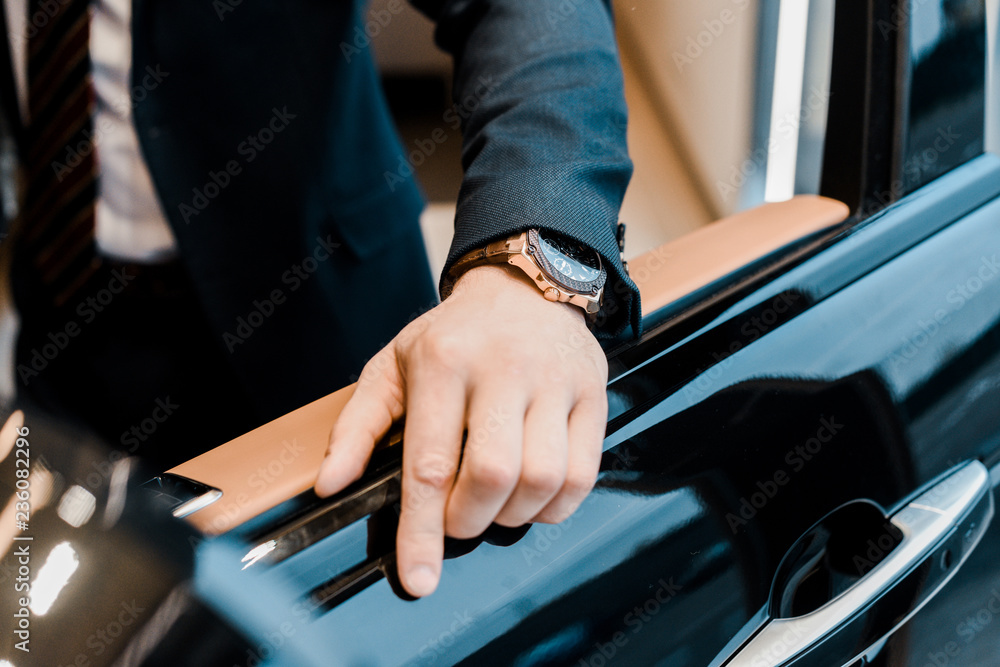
(539, 93)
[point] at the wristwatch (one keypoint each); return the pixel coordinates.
(562, 268)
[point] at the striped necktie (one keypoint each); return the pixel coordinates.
(60, 166)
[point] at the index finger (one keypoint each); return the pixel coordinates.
(432, 444)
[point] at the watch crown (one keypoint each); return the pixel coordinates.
(551, 294)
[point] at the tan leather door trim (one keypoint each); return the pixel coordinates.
(705, 255)
(266, 466)
(269, 465)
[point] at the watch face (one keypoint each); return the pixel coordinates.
(572, 261)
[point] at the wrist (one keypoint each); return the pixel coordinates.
(495, 279)
(489, 275)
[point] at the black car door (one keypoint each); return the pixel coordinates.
(818, 430)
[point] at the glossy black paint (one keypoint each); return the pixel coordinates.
(127, 564)
(882, 372)
(723, 318)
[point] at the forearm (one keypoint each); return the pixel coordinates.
(538, 88)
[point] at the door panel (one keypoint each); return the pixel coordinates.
(871, 381)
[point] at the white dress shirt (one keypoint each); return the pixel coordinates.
(130, 224)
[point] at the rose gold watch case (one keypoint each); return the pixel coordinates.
(525, 253)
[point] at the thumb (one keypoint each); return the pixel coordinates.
(377, 402)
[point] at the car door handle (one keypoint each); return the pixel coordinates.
(939, 527)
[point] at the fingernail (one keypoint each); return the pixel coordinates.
(321, 487)
(328, 481)
(421, 580)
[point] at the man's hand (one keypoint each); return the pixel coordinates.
(523, 376)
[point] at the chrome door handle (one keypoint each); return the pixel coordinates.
(940, 527)
(186, 496)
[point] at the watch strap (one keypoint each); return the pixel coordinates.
(493, 253)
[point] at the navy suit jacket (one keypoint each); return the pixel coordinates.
(275, 158)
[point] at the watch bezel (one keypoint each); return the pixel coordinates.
(590, 288)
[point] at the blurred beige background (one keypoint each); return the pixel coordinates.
(690, 73)
(687, 125)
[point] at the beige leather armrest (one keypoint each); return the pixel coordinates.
(269, 465)
(694, 260)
